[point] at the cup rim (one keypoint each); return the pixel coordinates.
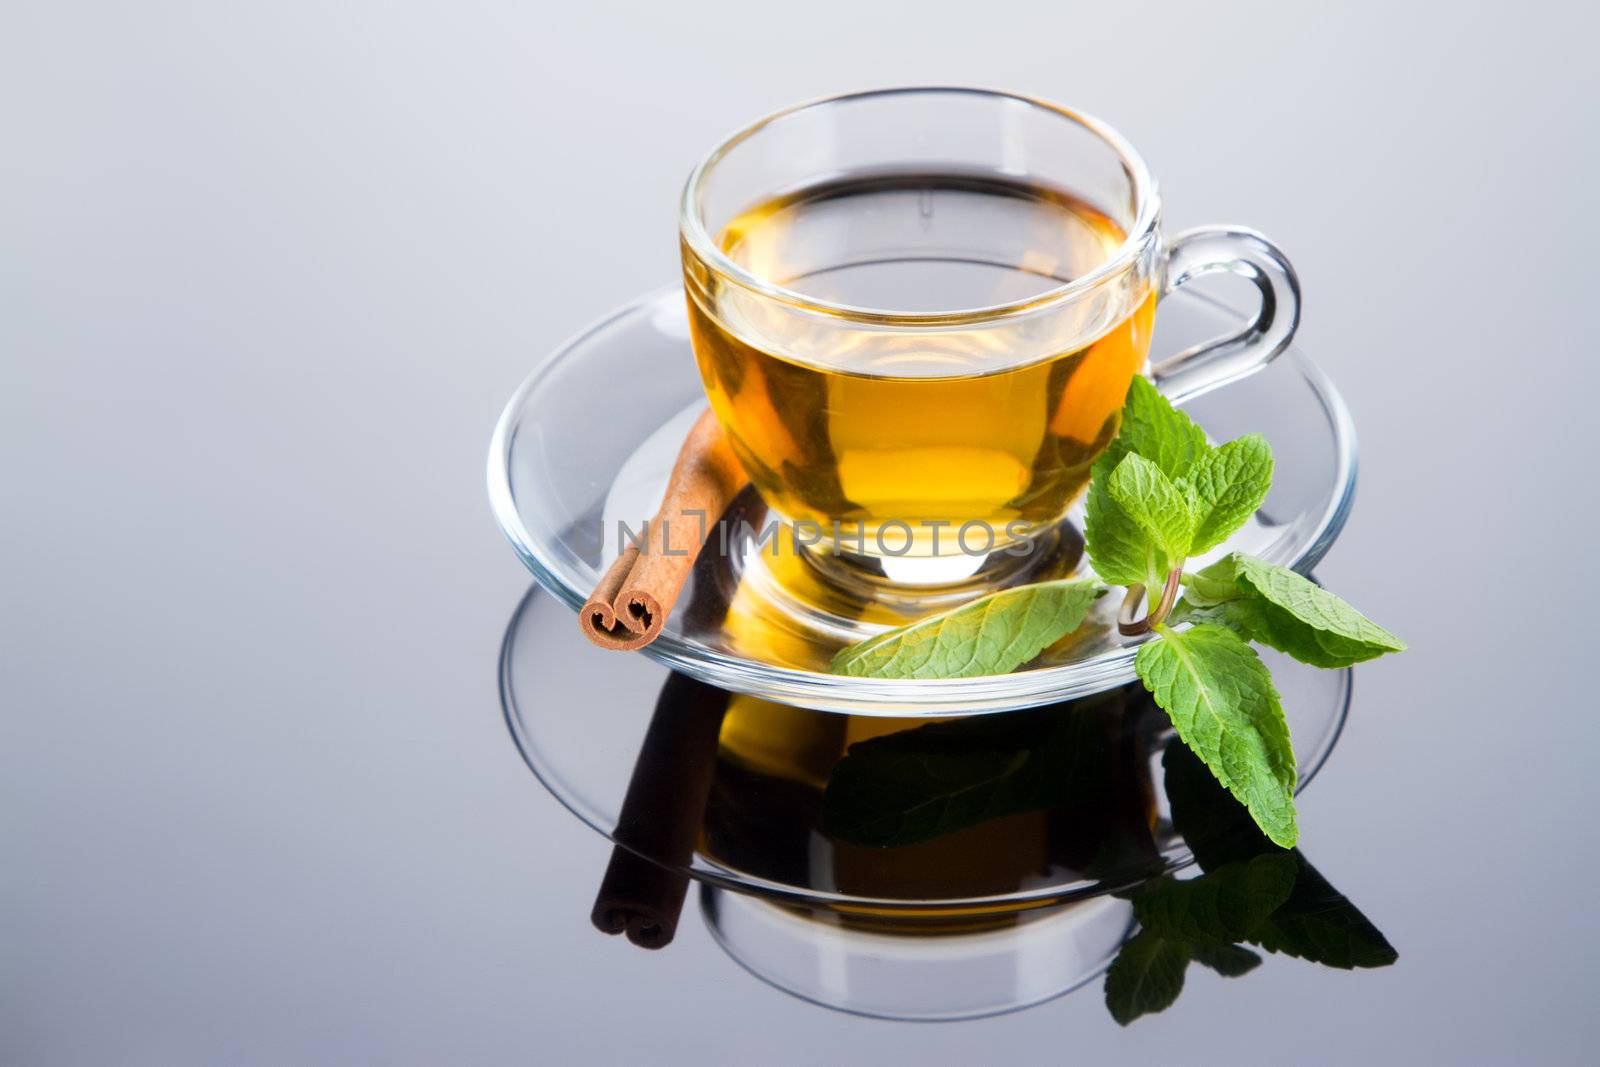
(693, 229)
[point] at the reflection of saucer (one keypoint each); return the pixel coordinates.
(913, 977)
(1067, 801)
(564, 461)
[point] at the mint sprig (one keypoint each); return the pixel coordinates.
(1159, 495)
(1121, 552)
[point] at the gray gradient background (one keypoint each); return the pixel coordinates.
(267, 274)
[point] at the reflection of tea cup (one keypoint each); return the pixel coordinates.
(917, 311)
(962, 855)
(903, 971)
(901, 812)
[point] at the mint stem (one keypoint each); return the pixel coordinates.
(1128, 626)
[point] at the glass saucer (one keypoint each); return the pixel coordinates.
(957, 822)
(566, 466)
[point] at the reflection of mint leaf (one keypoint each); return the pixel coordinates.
(1317, 923)
(913, 798)
(1325, 614)
(1152, 500)
(1228, 485)
(994, 634)
(1119, 549)
(1226, 905)
(1320, 925)
(1212, 824)
(1230, 961)
(1249, 891)
(1220, 698)
(911, 786)
(1146, 976)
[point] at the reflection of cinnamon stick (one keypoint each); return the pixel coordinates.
(630, 605)
(645, 883)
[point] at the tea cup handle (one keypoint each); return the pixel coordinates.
(1236, 250)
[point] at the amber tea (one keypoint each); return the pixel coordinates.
(918, 431)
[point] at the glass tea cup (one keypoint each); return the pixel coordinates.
(916, 313)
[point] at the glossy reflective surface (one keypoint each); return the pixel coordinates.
(270, 273)
(939, 870)
(1005, 811)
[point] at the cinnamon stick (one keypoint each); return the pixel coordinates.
(645, 883)
(630, 605)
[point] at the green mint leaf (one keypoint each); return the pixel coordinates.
(1119, 549)
(1230, 961)
(1228, 484)
(1244, 616)
(1146, 976)
(1226, 905)
(1220, 698)
(1315, 607)
(1215, 584)
(994, 634)
(1212, 824)
(1282, 610)
(1161, 509)
(1154, 429)
(1260, 620)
